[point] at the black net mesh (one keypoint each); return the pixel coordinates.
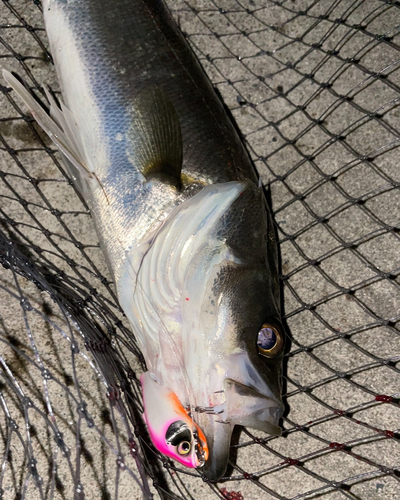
(314, 88)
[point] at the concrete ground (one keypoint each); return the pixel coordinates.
(314, 89)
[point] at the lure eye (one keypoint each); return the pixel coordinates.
(177, 433)
(184, 448)
(269, 341)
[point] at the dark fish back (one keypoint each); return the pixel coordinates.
(132, 44)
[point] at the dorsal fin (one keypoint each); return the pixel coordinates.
(59, 126)
(155, 136)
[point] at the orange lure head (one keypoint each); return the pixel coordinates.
(172, 430)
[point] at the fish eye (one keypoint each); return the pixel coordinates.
(184, 448)
(269, 341)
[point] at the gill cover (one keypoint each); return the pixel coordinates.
(171, 429)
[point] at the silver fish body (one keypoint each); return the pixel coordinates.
(194, 263)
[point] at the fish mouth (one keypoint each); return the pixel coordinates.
(243, 406)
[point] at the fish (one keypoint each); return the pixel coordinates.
(181, 217)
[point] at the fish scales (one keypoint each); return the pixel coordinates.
(126, 46)
(180, 217)
(123, 47)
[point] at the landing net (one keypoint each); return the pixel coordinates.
(314, 89)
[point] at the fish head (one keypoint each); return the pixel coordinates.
(247, 392)
(244, 380)
(215, 315)
(233, 337)
(171, 429)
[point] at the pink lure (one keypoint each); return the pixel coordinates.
(171, 429)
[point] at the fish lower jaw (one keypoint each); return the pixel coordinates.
(268, 415)
(243, 405)
(261, 413)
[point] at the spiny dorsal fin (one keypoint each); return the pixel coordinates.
(155, 136)
(59, 125)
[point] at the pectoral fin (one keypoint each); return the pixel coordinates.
(155, 137)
